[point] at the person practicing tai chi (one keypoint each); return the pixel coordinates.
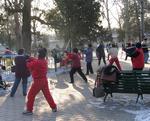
(38, 68)
(113, 52)
(76, 65)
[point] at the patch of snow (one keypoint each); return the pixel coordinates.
(59, 71)
(8, 76)
(143, 115)
(141, 110)
(4, 92)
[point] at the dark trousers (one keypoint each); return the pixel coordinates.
(72, 72)
(89, 68)
(138, 84)
(16, 83)
(99, 60)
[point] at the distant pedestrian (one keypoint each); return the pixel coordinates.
(89, 58)
(56, 54)
(100, 53)
(76, 66)
(113, 52)
(21, 73)
(8, 52)
(145, 50)
(38, 68)
(108, 46)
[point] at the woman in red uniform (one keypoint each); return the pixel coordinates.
(38, 68)
(138, 58)
(76, 66)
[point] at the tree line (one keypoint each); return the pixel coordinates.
(74, 21)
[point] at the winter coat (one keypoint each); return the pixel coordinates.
(89, 55)
(100, 51)
(145, 48)
(75, 57)
(21, 69)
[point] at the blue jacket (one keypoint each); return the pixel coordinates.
(89, 55)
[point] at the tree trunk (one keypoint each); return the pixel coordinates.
(19, 43)
(126, 2)
(107, 14)
(26, 27)
(18, 32)
(137, 17)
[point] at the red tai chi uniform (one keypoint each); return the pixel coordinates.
(38, 68)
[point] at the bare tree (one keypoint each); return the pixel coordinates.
(14, 7)
(19, 43)
(107, 14)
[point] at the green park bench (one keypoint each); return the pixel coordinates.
(134, 82)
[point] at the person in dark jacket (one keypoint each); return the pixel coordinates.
(76, 65)
(38, 68)
(100, 53)
(21, 73)
(89, 58)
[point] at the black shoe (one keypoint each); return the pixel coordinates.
(86, 74)
(54, 110)
(11, 95)
(71, 82)
(27, 113)
(24, 95)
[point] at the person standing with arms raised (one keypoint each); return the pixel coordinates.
(38, 68)
(76, 66)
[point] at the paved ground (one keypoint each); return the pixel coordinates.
(75, 102)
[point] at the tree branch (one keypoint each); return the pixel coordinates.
(40, 20)
(10, 9)
(20, 2)
(10, 4)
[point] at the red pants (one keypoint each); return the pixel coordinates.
(36, 86)
(112, 60)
